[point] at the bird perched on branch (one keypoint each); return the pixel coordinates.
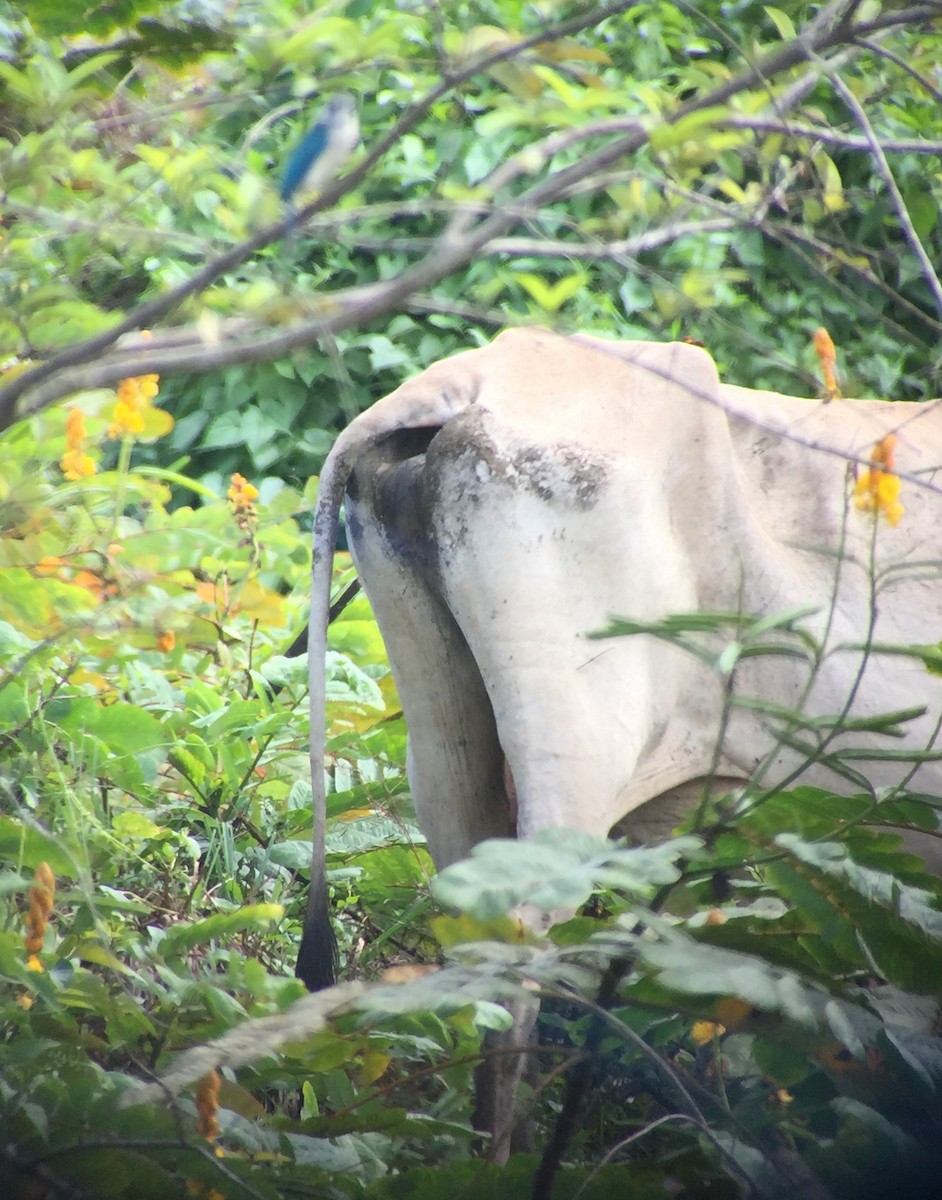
(322, 150)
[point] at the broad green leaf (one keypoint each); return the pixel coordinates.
(29, 844)
(180, 938)
(695, 124)
(135, 826)
(782, 22)
(556, 869)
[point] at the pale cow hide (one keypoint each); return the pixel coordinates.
(511, 500)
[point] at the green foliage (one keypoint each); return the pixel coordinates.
(751, 995)
(746, 223)
(146, 760)
(531, 872)
(162, 780)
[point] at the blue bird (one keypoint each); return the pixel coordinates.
(323, 149)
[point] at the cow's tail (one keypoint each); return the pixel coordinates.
(426, 402)
(317, 955)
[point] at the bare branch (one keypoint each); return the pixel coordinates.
(830, 136)
(903, 65)
(899, 204)
(579, 251)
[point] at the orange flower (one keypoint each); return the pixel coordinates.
(207, 1105)
(90, 582)
(731, 1011)
(196, 1187)
(40, 901)
(49, 564)
(877, 490)
(166, 641)
(75, 426)
(828, 359)
(75, 463)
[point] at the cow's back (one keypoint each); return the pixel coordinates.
(582, 483)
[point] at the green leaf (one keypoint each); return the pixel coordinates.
(782, 22)
(348, 684)
(29, 844)
(555, 869)
(13, 643)
(551, 296)
(695, 124)
(685, 966)
(134, 826)
(181, 938)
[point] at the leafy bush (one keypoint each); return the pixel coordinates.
(152, 759)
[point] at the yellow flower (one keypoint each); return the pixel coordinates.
(75, 463)
(242, 493)
(133, 404)
(877, 489)
(40, 901)
(76, 466)
(207, 1105)
(703, 1032)
(126, 420)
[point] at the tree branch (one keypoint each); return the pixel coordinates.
(471, 230)
(896, 196)
(831, 137)
(152, 311)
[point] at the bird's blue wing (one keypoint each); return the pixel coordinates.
(307, 151)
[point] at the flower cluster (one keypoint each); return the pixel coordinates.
(135, 397)
(877, 489)
(703, 1032)
(242, 494)
(75, 463)
(40, 901)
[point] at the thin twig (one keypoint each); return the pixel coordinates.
(830, 136)
(882, 52)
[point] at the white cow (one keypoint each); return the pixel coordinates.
(511, 500)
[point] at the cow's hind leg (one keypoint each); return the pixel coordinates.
(510, 1059)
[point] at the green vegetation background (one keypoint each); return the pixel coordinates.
(153, 737)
